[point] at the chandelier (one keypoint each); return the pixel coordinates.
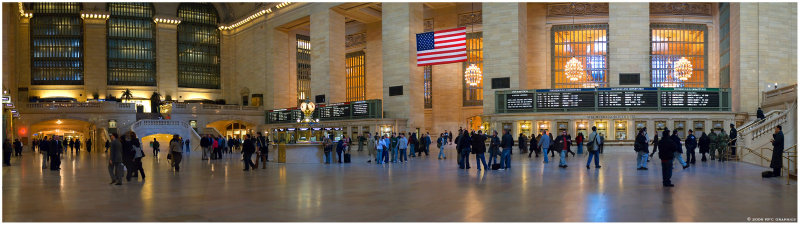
(473, 75)
(683, 69)
(573, 70)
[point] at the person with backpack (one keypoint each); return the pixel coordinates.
(594, 148)
(640, 146)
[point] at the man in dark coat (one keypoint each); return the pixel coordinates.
(89, 145)
(17, 147)
(466, 147)
(667, 149)
(248, 148)
(678, 149)
(704, 143)
(115, 159)
(691, 144)
(760, 114)
(494, 148)
(522, 141)
(732, 137)
(777, 151)
(7, 149)
(640, 146)
(55, 154)
(479, 148)
(506, 143)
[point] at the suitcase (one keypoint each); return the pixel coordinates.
(767, 174)
(496, 166)
(347, 158)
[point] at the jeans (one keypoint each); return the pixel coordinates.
(641, 160)
(386, 156)
(205, 152)
(562, 161)
(666, 172)
(544, 150)
(480, 158)
(394, 154)
(403, 156)
(679, 156)
(379, 156)
(505, 162)
(596, 155)
(411, 150)
(580, 148)
(441, 152)
(492, 158)
(427, 149)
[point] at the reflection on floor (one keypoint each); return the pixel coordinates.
(425, 189)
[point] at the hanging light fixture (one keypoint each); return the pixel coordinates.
(573, 71)
(473, 75)
(683, 69)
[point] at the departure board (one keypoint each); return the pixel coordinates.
(564, 98)
(340, 110)
(281, 116)
(689, 98)
(627, 97)
(360, 108)
(519, 101)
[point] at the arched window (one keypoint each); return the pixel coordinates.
(131, 44)
(473, 95)
(671, 42)
(588, 44)
(56, 44)
(236, 130)
(198, 46)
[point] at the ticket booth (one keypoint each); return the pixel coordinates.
(660, 126)
(639, 125)
(620, 130)
(582, 127)
(544, 126)
(386, 130)
(602, 127)
(291, 135)
(716, 126)
(525, 128)
(680, 127)
(303, 135)
(563, 126)
(699, 127)
(506, 126)
(316, 134)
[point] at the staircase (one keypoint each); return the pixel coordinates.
(753, 140)
(147, 127)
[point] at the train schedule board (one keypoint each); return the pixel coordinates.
(565, 98)
(627, 97)
(690, 97)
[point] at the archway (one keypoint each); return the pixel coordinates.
(163, 141)
(64, 129)
(234, 128)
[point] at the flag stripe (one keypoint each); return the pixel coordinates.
(440, 47)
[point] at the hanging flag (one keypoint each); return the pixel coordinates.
(442, 47)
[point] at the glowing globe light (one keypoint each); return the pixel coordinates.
(683, 69)
(473, 75)
(574, 70)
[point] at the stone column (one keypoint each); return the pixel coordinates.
(167, 60)
(400, 24)
(327, 54)
(629, 41)
(281, 73)
(537, 35)
(95, 72)
(374, 58)
(504, 47)
(446, 80)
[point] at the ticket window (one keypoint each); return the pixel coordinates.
(660, 126)
(525, 128)
(543, 126)
(699, 126)
(621, 130)
(506, 126)
(303, 135)
(582, 127)
(562, 126)
(353, 133)
(717, 126)
(639, 125)
(602, 128)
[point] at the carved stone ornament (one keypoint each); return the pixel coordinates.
(471, 18)
(701, 9)
(577, 9)
(355, 39)
(428, 25)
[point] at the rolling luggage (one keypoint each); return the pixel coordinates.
(347, 158)
(496, 166)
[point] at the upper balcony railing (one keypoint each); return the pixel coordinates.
(78, 107)
(179, 108)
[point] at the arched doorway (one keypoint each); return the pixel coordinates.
(63, 129)
(235, 130)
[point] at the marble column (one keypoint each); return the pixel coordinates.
(400, 24)
(167, 60)
(327, 54)
(629, 41)
(504, 30)
(95, 72)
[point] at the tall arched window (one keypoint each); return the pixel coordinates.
(587, 43)
(56, 44)
(198, 46)
(131, 44)
(473, 95)
(671, 42)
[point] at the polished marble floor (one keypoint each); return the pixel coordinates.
(424, 189)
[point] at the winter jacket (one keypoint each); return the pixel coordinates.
(704, 143)
(507, 141)
(544, 141)
(667, 148)
(691, 143)
(640, 145)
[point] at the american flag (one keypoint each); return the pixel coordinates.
(441, 47)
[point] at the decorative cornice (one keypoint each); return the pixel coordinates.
(101, 15)
(256, 15)
(577, 9)
(701, 9)
(167, 20)
(428, 25)
(355, 40)
(470, 18)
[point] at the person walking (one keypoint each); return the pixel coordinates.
(562, 143)
(413, 144)
(640, 146)
(544, 145)
(248, 148)
(522, 142)
(175, 153)
(691, 144)
(426, 144)
(655, 144)
(231, 144)
(507, 142)
(494, 148)
(440, 143)
(760, 114)
(704, 146)
(89, 145)
(594, 147)
(156, 147)
(402, 146)
(71, 144)
(138, 155)
(78, 145)
(776, 162)
(264, 150)
(479, 149)
(17, 147)
(532, 146)
(131, 147)
(579, 142)
(115, 159)
(667, 152)
(44, 148)
(678, 149)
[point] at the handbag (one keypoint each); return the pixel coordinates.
(138, 151)
(169, 156)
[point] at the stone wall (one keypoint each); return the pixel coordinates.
(629, 41)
